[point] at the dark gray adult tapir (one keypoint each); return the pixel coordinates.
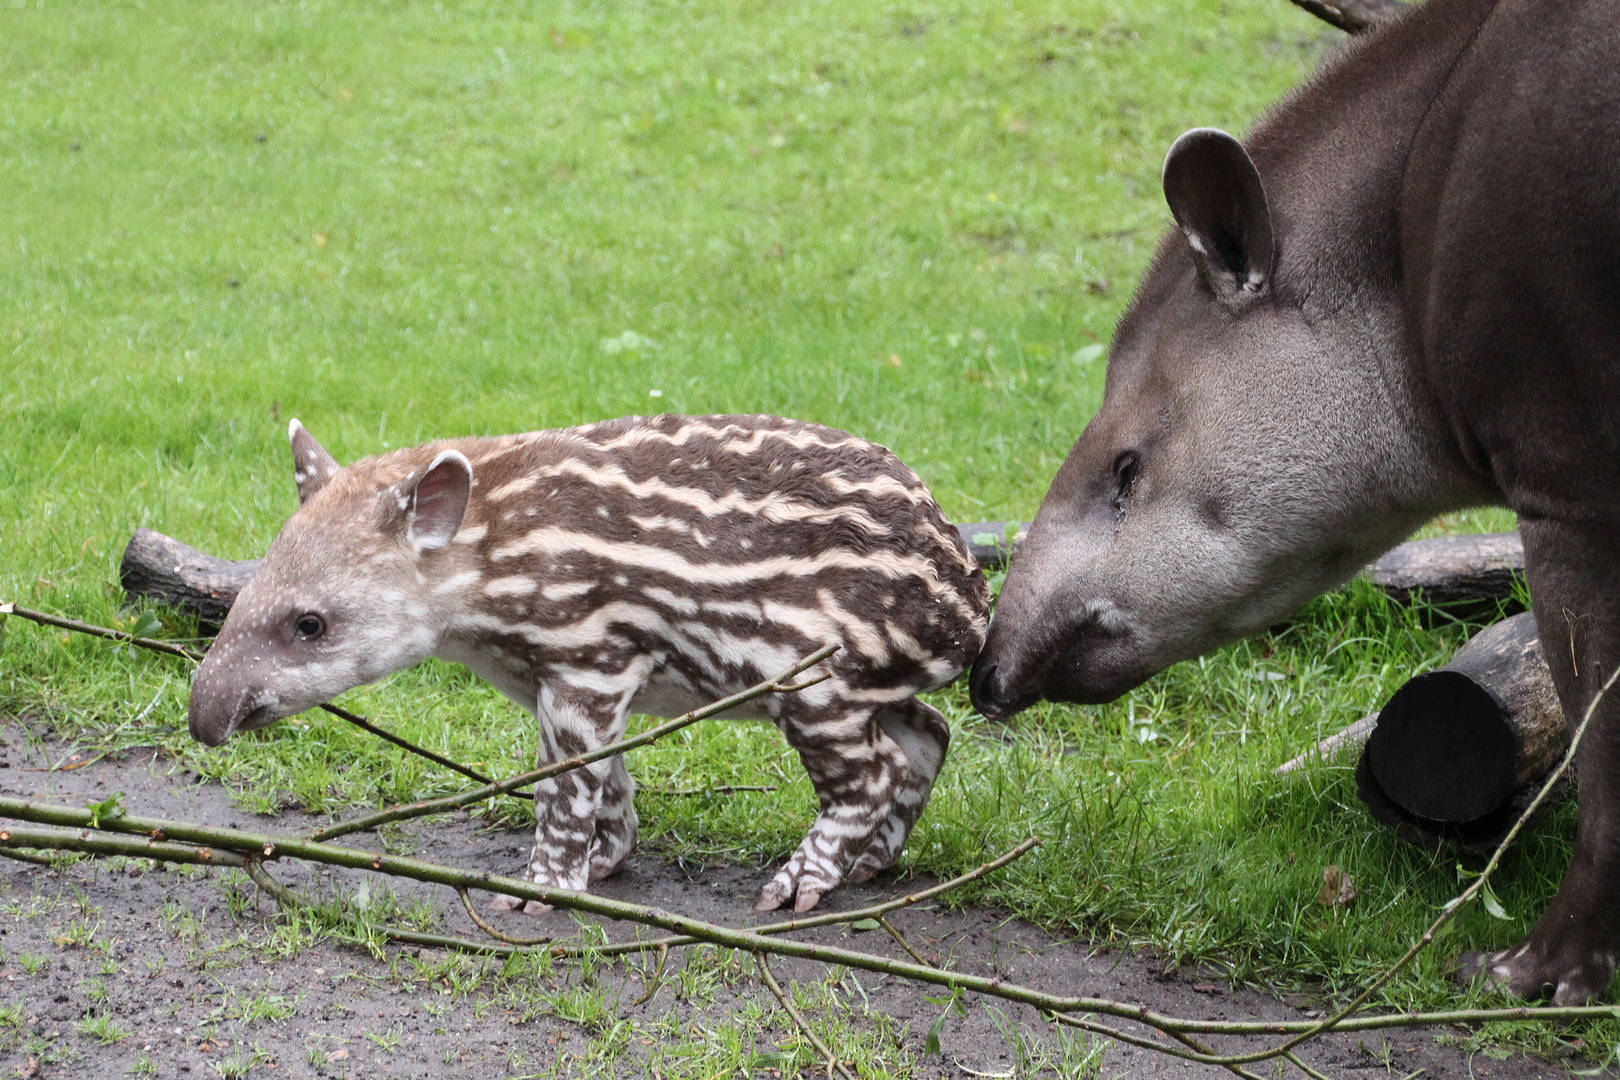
(1399, 296)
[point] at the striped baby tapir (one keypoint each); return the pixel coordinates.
(645, 565)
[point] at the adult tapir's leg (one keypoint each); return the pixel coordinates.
(1574, 576)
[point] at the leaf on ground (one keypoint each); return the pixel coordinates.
(109, 809)
(862, 925)
(1337, 890)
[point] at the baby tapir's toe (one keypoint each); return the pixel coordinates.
(513, 903)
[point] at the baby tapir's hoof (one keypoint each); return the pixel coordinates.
(808, 876)
(513, 903)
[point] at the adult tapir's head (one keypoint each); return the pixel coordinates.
(341, 598)
(1247, 455)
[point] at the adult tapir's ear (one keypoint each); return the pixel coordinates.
(438, 501)
(1215, 193)
(312, 465)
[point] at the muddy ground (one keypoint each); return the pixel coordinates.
(118, 969)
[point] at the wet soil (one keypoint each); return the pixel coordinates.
(188, 967)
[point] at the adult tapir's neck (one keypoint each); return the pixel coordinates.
(1334, 156)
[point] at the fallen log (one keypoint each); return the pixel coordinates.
(1452, 570)
(1456, 754)
(1448, 571)
(161, 568)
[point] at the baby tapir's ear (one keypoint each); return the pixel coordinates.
(312, 465)
(438, 501)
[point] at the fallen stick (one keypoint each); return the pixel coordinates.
(1326, 750)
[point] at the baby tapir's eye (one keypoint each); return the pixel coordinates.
(310, 626)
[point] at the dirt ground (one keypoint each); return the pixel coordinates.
(192, 971)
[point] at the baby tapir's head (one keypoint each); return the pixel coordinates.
(345, 593)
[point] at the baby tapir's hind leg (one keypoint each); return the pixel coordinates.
(923, 733)
(573, 721)
(856, 769)
(616, 822)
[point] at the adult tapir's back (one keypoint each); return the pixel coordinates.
(1510, 226)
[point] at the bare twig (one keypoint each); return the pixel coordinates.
(724, 789)
(154, 838)
(831, 918)
(773, 685)
(894, 932)
(171, 649)
(657, 975)
(492, 931)
(1351, 16)
(799, 1021)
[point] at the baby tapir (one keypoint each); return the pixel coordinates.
(646, 565)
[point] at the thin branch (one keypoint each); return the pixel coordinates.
(725, 789)
(831, 918)
(451, 802)
(657, 975)
(486, 927)
(1299, 1064)
(895, 933)
(170, 649)
(100, 631)
(1197, 1045)
(366, 725)
(798, 1019)
(1352, 16)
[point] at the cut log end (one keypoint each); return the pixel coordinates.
(1458, 753)
(1443, 749)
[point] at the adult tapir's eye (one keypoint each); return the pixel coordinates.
(1126, 466)
(1125, 469)
(310, 626)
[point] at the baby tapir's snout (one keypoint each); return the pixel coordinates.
(219, 707)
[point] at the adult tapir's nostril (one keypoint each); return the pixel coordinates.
(983, 689)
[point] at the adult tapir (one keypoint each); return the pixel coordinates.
(1400, 296)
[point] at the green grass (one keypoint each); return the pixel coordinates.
(913, 222)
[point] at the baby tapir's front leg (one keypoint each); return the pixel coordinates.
(585, 819)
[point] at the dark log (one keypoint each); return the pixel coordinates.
(1352, 16)
(1456, 754)
(988, 543)
(157, 567)
(1453, 570)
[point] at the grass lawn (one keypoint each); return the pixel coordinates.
(917, 222)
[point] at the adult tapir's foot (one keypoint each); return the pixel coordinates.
(1570, 967)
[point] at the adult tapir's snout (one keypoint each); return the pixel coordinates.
(1059, 631)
